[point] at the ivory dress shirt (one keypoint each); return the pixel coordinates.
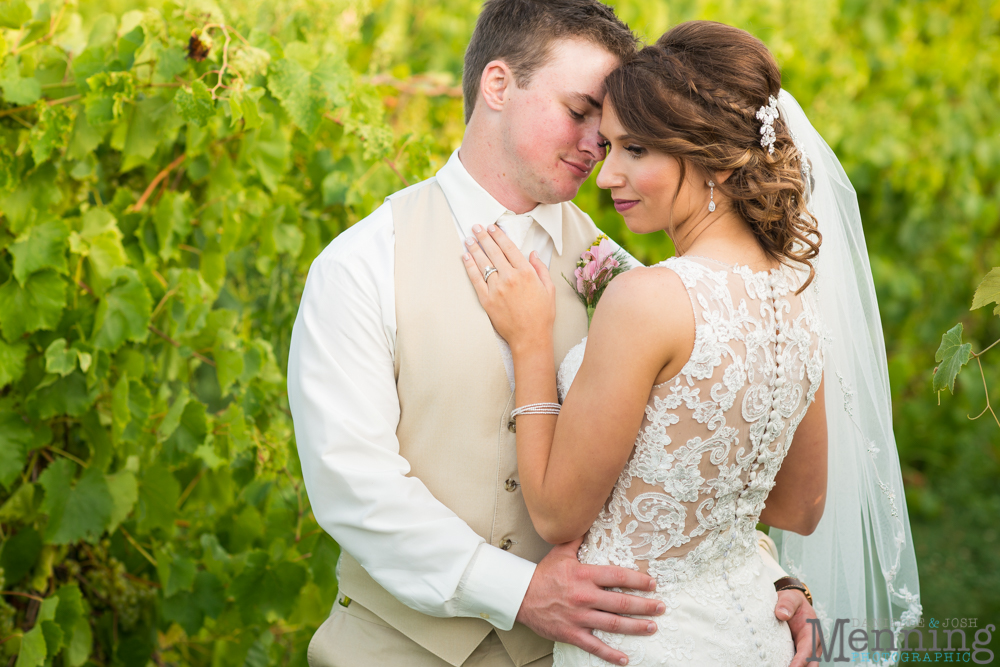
(356, 479)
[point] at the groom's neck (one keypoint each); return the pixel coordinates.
(483, 156)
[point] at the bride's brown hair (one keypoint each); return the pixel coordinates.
(694, 95)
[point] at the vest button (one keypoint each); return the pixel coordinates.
(510, 484)
(506, 544)
(512, 426)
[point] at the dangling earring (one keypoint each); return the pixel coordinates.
(711, 196)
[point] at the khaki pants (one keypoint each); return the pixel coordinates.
(355, 637)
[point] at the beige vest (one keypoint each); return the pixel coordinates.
(455, 404)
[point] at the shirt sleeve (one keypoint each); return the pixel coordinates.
(342, 395)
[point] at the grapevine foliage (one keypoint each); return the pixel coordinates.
(165, 181)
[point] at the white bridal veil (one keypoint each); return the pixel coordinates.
(859, 562)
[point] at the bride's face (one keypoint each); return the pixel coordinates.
(644, 182)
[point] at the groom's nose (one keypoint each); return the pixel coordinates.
(590, 143)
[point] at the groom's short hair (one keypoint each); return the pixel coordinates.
(521, 32)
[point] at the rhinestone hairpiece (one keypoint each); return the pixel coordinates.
(767, 115)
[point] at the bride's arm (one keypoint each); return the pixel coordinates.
(568, 465)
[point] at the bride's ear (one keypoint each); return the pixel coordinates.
(723, 176)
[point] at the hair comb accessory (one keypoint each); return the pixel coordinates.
(767, 115)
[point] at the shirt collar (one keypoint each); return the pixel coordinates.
(472, 204)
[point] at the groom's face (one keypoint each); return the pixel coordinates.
(550, 128)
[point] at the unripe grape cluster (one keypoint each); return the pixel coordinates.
(108, 581)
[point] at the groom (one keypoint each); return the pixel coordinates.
(401, 391)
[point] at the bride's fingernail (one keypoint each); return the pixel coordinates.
(466, 257)
(492, 228)
(469, 241)
(477, 228)
(651, 628)
(623, 661)
(660, 608)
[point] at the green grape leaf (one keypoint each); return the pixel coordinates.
(80, 643)
(108, 95)
(293, 85)
(951, 356)
(32, 197)
(32, 652)
(36, 305)
(20, 507)
(124, 311)
(988, 291)
(143, 133)
(40, 247)
(121, 414)
(257, 655)
(16, 438)
(76, 512)
(139, 403)
(335, 78)
(53, 637)
(189, 434)
(52, 132)
(19, 555)
(66, 396)
(195, 104)
(158, 494)
(263, 586)
(128, 44)
(70, 608)
(14, 13)
(59, 359)
(12, 361)
(176, 573)
(124, 491)
(72, 620)
(228, 360)
(17, 89)
(101, 241)
(173, 417)
(170, 61)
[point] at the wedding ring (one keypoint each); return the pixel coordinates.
(490, 270)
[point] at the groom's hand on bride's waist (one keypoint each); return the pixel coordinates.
(793, 607)
(566, 600)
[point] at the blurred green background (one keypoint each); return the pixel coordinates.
(907, 93)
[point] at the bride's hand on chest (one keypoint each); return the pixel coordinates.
(516, 292)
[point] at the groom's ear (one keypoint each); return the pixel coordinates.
(495, 84)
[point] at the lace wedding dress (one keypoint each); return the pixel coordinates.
(685, 507)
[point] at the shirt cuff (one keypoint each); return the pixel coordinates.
(494, 586)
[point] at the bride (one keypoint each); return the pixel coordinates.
(700, 394)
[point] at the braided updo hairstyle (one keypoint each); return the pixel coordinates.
(694, 95)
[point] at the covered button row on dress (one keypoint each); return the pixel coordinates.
(736, 597)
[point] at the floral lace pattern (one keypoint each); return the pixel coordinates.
(686, 506)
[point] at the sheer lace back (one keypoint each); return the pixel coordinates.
(714, 436)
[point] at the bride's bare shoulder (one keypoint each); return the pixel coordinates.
(650, 300)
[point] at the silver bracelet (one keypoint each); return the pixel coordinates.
(536, 409)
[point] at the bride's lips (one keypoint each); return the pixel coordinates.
(622, 205)
(581, 170)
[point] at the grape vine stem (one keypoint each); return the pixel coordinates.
(170, 340)
(136, 207)
(23, 595)
(138, 547)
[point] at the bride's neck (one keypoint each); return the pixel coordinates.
(724, 236)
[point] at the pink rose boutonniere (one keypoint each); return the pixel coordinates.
(597, 266)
